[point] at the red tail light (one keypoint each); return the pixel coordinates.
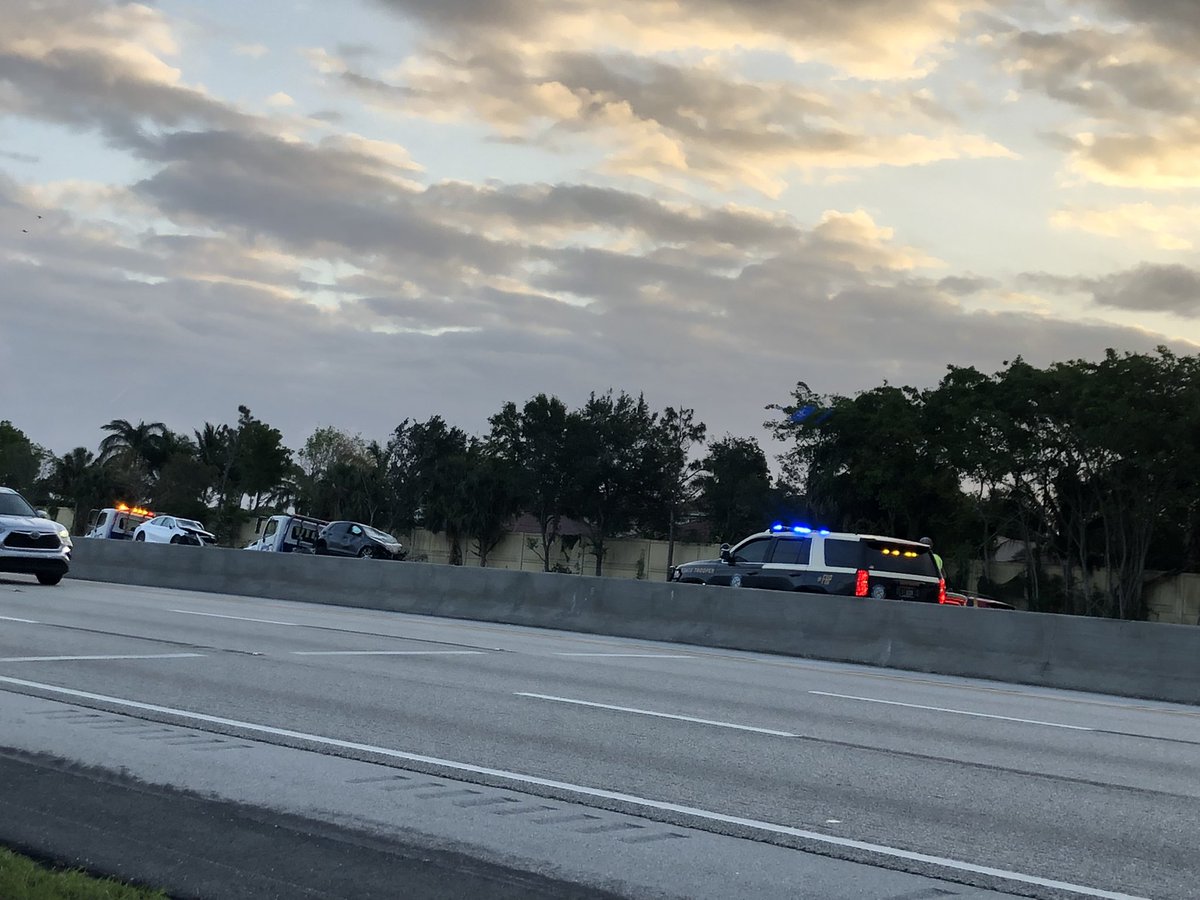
(942, 598)
(860, 583)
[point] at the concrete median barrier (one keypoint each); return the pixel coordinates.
(1135, 659)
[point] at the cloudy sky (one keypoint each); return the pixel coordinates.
(351, 213)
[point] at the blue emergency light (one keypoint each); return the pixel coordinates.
(779, 527)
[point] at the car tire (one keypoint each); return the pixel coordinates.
(140, 536)
(366, 553)
(175, 539)
(49, 578)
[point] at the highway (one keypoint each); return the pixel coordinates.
(628, 768)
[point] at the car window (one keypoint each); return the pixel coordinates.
(753, 551)
(903, 559)
(841, 554)
(272, 527)
(166, 523)
(14, 505)
(355, 530)
(791, 551)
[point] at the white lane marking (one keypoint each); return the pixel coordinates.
(956, 712)
(657, 715)
(630, 655)
(8, 659)
(192, 612)
(386, 652)
(599, 793)
(22, 621)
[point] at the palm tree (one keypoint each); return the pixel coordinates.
(136, 445)
(73, 480)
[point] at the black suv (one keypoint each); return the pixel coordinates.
(797, 558)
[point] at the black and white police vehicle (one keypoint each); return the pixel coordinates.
(31, 544)
(799, 558)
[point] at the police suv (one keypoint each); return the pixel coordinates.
(799, 558)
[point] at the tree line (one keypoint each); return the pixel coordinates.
(613, 465)
(1091, 467)
(1088, 468)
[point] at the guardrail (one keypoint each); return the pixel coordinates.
(1135, 659)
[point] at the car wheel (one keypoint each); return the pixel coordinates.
(366, 553)
(49, 578)
(175, 539)
(140, 536)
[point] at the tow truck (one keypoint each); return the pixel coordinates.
(116, 522)
(286, 533)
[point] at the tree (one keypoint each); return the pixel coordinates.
(735, 487)
(77, 481)
(429, 470)
(329, 463)
(20, 459)
(182, 485)
(491, 496)
(676, 433)
(261, 459)
(617, 467)
(536, 442)
(134, 445)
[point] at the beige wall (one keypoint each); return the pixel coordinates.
(644, 559)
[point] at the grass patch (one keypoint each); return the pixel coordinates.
(24, 879)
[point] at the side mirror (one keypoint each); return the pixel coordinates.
(726, 553)
(42, 513)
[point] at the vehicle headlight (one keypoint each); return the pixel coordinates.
(63, 533)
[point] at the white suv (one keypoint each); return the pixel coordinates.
(29, 543)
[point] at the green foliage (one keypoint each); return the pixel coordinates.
(538, 443)
(1083, 462)
(618, 467)
(20, 459)
(735, 488)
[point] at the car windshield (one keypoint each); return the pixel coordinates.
(190, 523)
(15, 505)
(378, 535)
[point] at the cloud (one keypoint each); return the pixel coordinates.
(1168, 227)
(281, 100)
(966, 285)
(660, 120)
(1132, 84)
(453, 298)
(395, 292)
(92, 64)
(1152, 288)
(254, 51)
(865, 38)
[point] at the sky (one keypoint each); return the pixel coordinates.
(354, 213)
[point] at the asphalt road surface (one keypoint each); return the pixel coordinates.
(492, 759)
